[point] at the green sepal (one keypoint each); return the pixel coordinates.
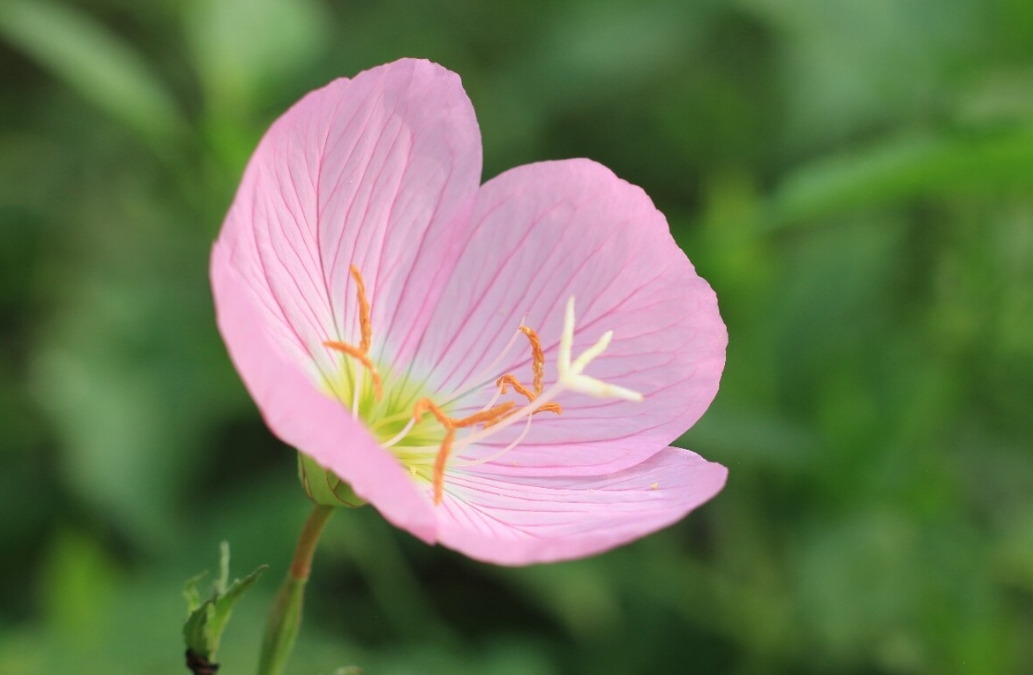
(207, 620)
(324, 487)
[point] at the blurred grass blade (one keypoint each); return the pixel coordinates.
(245, 50)
(94, 62)
(903, 169)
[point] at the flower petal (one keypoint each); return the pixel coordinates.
(549, 231)
(518, 521)
(380, 171)
(302, 416)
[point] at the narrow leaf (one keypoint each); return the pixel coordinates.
(93, 61)
(902, 169)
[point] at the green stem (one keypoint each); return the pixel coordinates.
(285, 617)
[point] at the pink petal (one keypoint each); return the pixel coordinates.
(302, 416)
(518, 521)
(380, 171)
(549, 231)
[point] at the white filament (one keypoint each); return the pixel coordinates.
(401, 434)
(491, 367)
(492, 457)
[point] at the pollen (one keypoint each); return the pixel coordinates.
(365, 325)
(508, 380)
(361, 353)
(537, 356)
(537, 372)
(486, 417)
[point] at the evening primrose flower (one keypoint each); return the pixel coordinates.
(499, 368)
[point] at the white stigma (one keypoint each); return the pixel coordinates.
(571, 373)
(571, 377)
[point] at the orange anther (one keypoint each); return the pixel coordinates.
(537, 357)
(538, 368)
(439, 465)
(487, 417)
(361, 353)
(365, 325)
(361, 357)
(425, 405)
(508, 380)
(550, 407)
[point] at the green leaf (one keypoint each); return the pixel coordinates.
(905, 168)
(190, 592)
(96, 63)
(207, 620)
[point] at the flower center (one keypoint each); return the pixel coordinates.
(404, 418)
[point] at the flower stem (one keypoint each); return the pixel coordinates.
(285, 617)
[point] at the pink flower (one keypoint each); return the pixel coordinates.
(377, 300)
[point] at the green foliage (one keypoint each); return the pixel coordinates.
(855, 179)
(206, 620)
(97, 64)
(906, 169)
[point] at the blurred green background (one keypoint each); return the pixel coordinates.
(854, 177)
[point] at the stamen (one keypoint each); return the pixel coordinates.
(538, 370)
(485, 416)
(538, 358)
(516, 416)
(508, 379)
(425, 405)
(360, 353)
(361, 357)
(494, 418)
(570, 378)
(365, 325)
(439, 465)
(498, 359)
(494, 399)
(492, 457)
(401, 434)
